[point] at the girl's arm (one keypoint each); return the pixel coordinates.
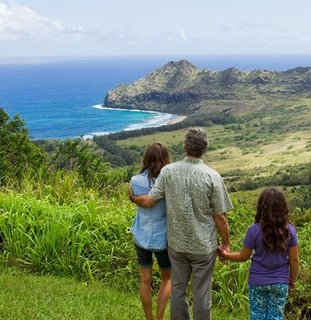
(293, 266)
(241, 256)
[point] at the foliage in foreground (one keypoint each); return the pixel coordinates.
(87, 238)
(17, 152)
(27, 297)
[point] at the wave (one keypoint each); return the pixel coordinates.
(102, 107)
(159, 119)
(90, 136)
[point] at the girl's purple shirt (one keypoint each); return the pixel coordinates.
(267, 268)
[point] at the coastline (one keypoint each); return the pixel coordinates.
(177, 119)
(158, 119)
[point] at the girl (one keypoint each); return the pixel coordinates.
(274, 267)
(149, 230)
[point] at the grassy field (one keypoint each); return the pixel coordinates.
(28, 297)
(260, 144)
(260, 149)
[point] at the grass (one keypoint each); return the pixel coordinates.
(84, 238)
(87, 240)
(26, 297)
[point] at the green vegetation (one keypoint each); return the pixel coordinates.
(26, 296)
(82, 237)
(87, 239)
(64, 220)
(271, 147)
(17, 152)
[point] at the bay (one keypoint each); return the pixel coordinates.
(62, 97)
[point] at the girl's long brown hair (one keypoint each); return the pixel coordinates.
(155, 158)
(272, 214)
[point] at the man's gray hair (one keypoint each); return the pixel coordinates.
(195, 142)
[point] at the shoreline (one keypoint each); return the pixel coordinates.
(177, 119)
(90, 136)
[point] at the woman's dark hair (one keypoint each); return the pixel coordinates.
(155, 158)
(272, 214)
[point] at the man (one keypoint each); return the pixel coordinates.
(196, 205)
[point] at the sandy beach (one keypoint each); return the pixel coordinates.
(178, 119)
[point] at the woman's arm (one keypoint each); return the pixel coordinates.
(293, 266)
(241, 256)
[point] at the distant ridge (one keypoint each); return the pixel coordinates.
(182, 88)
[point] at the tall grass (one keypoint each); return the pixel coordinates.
(65, 228)
(86, 238)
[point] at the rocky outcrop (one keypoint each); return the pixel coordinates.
(182, 88)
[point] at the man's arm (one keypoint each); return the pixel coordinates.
(142, 200)
(223, 229)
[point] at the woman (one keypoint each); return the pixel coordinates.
(149, 230)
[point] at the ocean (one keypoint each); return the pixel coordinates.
(62, 98)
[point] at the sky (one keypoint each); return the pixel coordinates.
(61, 28)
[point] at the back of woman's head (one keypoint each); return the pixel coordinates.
(272, 213)
(155, 158)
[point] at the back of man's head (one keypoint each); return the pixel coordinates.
(195, 142)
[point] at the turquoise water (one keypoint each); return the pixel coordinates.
(61, 98)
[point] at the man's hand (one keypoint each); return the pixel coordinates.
(222, 251)
(224, 247)
(142, 200)
(223, 229)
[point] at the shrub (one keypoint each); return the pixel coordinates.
(17, 152)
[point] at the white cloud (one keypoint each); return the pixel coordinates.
(21, 23)
(168, 35)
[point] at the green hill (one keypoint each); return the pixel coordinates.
(182, 88)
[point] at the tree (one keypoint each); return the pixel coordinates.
(17, 152)
(76, 155)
